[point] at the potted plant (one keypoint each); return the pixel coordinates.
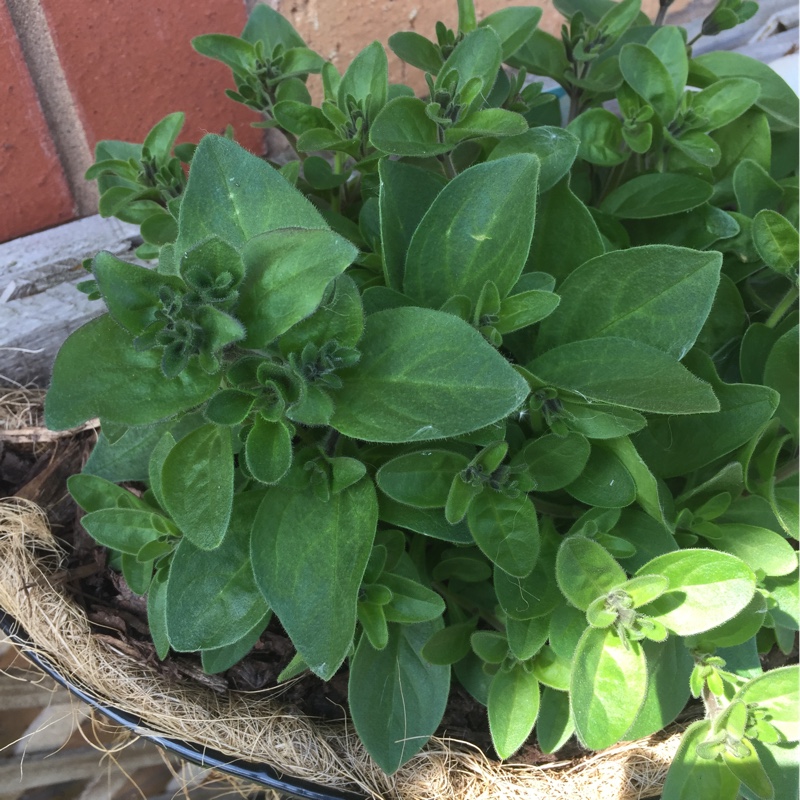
(469, 389)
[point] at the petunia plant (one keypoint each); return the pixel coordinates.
(485, 386)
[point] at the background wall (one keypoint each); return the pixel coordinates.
(78, 71)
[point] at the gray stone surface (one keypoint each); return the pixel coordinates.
(39, 304)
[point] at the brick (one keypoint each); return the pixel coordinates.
(33, 190)
(129, 64)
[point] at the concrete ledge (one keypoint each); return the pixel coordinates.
(39, 304)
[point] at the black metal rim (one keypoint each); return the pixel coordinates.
(259, 774)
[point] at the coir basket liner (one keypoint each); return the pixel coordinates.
(247, 728)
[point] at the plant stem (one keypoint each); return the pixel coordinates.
(662, 13)
(780, 310)
(692, 41)
(449, 167)
(467, 20)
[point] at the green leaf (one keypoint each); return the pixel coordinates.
(138, 574)
(551, 669)
(506, 530)
(656, 195)
(777, 98)
(604, 482)
(404, 129)
(415, 49)
(781, 373)
(754, 188)
(421, 479)
(680, 445)
(156, 465)
(657, 295)
(600, 135)
(340, 316)
(230, 50)
(776, 240)
(565, 235)
(608, 686)
(688, 771)
(537, 594)
(749, 770)
(266, 25)
(707, 588)
(297, 118)
(514, 26)
(526, 308)
(157, 613)
(161, 138)
(212, 598)
(555, 148)
(644, 71)
(476, 57)
(737, 630)
(427, 521)
(448, 645)
(669, 665)
(223, 658)
(513, 707)
(126, 529)
(159, 229)
(300, 540)
(411, 601)
(486, 122)
(299, 61)
(127, 458)
(235, 195)
(777, 692)
(554, 725)
(366, 80)
(556, 461)
(648, 491)
(585, 571)
(288, 272)
(268, 450)
(542, 54)
(406, 194)
(724, 101)
(567, 625)
(625, 373)
(197, 485)
(398, 392)
(759, 548)
(92, 493)
(229, 407)
(526, 637)
(748, 136)
(597, 421)
(393, 720)
(477, 229)
(669, 46)
(98, 373)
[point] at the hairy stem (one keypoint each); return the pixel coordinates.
(780, 310)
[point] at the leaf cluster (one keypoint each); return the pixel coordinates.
(477, 388)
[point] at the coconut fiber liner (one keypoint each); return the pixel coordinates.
(254, 728)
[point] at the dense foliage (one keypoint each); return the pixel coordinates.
(476, 387)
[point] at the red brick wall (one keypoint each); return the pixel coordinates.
(115, 69)
(33, 190)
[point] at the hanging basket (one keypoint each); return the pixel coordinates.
(249, 735)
